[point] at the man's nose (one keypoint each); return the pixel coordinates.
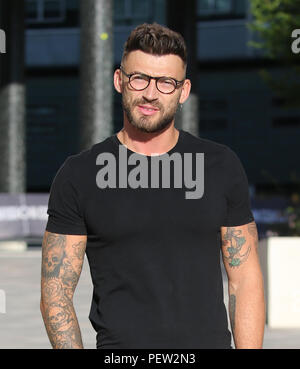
(151, 92)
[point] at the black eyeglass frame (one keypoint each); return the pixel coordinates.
(177, 83)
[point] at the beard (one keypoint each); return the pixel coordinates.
(143, 123)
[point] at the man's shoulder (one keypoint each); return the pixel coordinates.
(84, 157)
(205, 145)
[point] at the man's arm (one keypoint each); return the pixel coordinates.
(62, 260)
(245, 285)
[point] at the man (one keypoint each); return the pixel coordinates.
(152, 244)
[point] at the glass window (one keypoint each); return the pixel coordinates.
(213, 114)
(214, 6)
(204, 5)
(52, 9)
(31, 10)
(140, 8)
(119, 8)
(45, 11)
(128, 12)
(224, 6)
(221, 8)
(284, 114)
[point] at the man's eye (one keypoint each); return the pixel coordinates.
(167, 81)
(139, 77)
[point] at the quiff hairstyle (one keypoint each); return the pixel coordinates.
(155, 39)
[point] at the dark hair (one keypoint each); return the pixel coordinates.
(156, 40)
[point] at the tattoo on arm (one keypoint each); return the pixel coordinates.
(232, 243)
(79, 250)
(232, 302)
(53, 255)
(60, 273)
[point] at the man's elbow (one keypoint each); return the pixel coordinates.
(250, 282)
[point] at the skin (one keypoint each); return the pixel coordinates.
(145, 134)
(245, 285)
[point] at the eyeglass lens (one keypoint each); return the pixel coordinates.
(163, 84)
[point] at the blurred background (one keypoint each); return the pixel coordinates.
(57, 58)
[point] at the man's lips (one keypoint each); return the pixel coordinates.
(147, 109)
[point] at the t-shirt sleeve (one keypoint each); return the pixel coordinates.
(236, 192)
(64, 210)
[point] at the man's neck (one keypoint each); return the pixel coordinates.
(148, 143)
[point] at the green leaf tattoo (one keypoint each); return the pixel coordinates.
(236, 242)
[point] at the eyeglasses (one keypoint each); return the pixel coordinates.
(139, 82)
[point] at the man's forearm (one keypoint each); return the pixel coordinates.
(61, 324)
(247, 314)
(59, 315)
(62, 259)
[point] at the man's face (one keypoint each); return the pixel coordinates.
(150, 110)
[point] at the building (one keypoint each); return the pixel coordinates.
(236, 107)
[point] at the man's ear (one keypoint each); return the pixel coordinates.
(185, 92)
(117, 80)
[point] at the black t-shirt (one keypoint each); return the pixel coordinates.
(154, 255)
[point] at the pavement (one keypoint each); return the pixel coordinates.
(21, 324)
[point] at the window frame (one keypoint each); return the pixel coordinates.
(41, 12)
(129, 15)
(215, 14)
